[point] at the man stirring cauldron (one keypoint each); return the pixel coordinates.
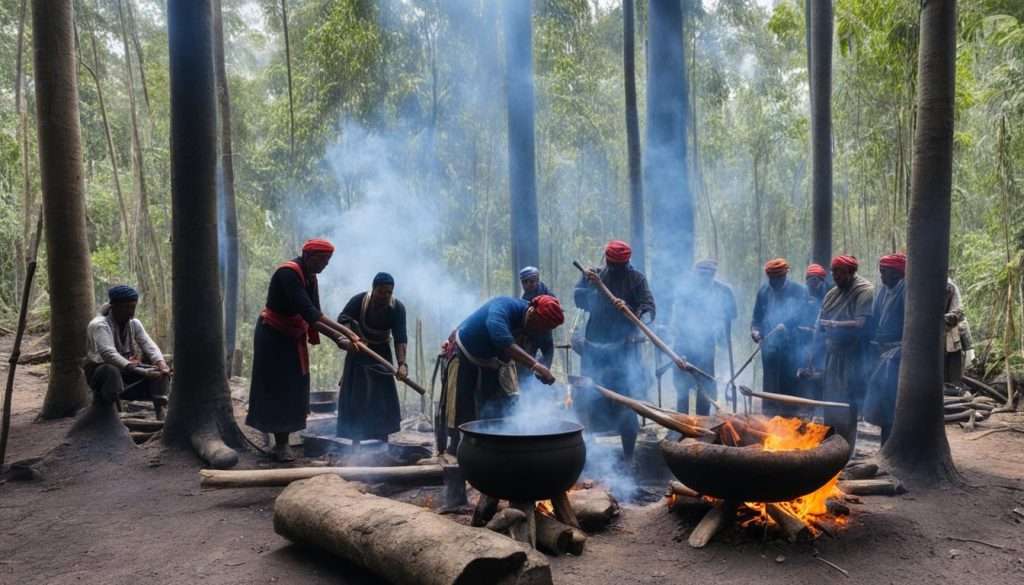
(611, 349)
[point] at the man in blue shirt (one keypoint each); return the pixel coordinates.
(543, 342)
(780, 301)
(480, 375)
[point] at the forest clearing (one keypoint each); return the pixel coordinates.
(456, 292)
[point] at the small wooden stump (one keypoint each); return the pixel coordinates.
(717, 517)
(454, 488)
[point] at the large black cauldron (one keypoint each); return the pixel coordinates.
(509, 463)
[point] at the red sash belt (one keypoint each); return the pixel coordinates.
(293, 326)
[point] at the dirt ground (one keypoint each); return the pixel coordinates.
(143, 519)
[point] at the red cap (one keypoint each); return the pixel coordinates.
(548, 310)
(618, 252)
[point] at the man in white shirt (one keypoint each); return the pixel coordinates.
(122, 361)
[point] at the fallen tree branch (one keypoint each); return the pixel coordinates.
(217, 478)
(834, 566)
(976, 541)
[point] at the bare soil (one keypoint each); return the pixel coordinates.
(141, 518)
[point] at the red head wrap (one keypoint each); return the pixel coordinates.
(548, 310)
(318, 246)
(776, 267)
(815, 270)
(897, 262)
(618, 252)
(845, 262)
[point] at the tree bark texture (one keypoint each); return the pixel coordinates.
(401, 543)
(200, 411)
(60, 156)
(820, 60)
(918, 447)
(521, 156)
(666, 178)
(228, 214)
(636, 186)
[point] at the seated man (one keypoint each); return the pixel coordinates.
(122, 362)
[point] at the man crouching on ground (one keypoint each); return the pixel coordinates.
(122, 362)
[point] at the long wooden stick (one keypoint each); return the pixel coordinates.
(643, 409)
(242, 478)
(657, 341)
(16, 348)
(794, 400)
(379, 359)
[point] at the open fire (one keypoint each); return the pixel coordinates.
(810, 513)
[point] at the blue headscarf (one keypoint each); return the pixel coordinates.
(529, 272)
(122, 293)
(383, 278)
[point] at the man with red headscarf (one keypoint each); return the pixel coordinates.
(885, 347)
(611, 347)
(480, 376)
(844, 314)
(279, 390)
(779, 301)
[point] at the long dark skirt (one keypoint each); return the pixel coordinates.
(880, 403)
(686, 382)
(618, 368)
(779, 370)
(279, 391)
(368, 399)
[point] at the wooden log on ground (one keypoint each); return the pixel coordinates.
(142, 425)
(966, 415)
(526, 531)
(837, 508)
(679, 489)
(794, 528)
(485, 509)
(139, 438)
(563, 510)
(595, 508)
(34, 358)
(579, 541)
(863, 471)
(504, 520)
(711, 523)
(553, 537)
(980, 386)
(872, 487)
(242, 478)
(402, 543)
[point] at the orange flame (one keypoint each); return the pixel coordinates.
(545, 507)
(567, 403)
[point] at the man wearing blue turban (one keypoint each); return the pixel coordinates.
(122, 361)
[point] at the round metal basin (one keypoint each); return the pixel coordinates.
(517, 466)
(752, 475)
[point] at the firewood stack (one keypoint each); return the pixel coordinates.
(971, 404)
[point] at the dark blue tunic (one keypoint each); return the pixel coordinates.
(779, 355)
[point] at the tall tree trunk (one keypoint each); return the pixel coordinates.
(67, 248)
(200, 412)
(156, 280)
(636, 185)
(522, 181)
(288, 68)
(667, 181)
(134, 28)
(26, 176)
(229, 217)
(697, 163)
(821, 130)
(918, 447)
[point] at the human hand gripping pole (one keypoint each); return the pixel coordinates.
(358, 345)
(680, 363)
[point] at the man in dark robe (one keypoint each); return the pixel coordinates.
(702, 316)
(480, 375)
(122, 362)
(611, 346)
(544, 342)
(779, 301)
(886, 343)
(368, 405)
(811, 355)
(842, 323)
(279, 390)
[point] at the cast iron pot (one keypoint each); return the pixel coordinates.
(521, 467)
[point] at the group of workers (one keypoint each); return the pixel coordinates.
(837, 341)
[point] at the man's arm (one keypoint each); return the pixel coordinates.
(645, 308)
(149, 348)
(103, 339)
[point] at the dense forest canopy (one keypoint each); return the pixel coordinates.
(383, 127)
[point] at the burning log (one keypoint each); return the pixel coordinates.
(837, 508)
(401, 543)
(872, 487)
(717, 517)
(553, 537)
(410, 474)
(563, 510)
(595, 508)
(793, 527)
(755, 475)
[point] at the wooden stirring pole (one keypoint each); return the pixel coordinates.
(379, 359)
(657, 341)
